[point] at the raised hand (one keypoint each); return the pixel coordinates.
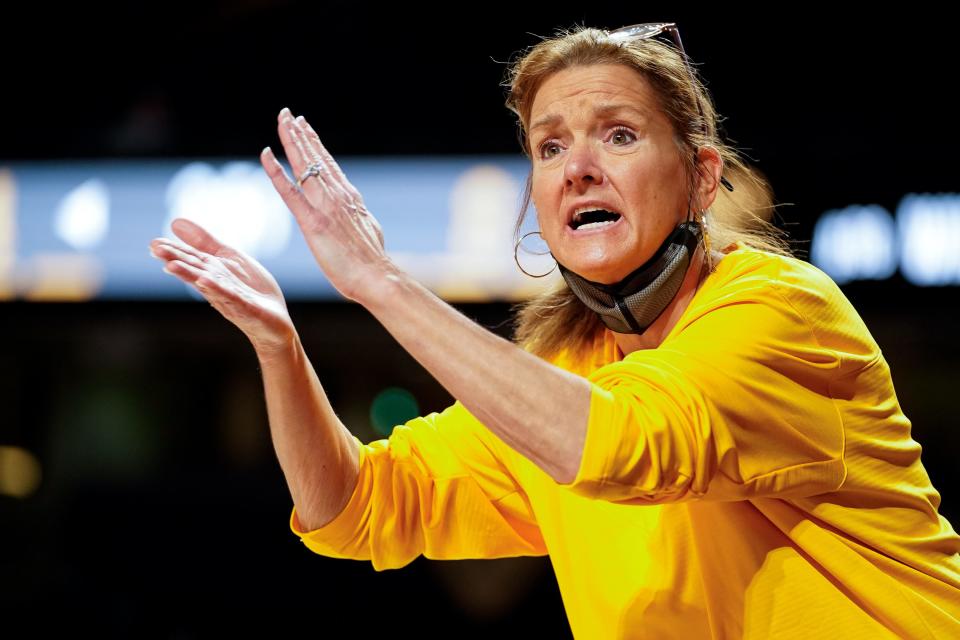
(345, 239)
(234, 283)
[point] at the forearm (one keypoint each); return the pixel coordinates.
(538, 409)
(317, 453)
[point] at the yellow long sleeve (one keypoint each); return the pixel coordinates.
(753, 477)
(433, 488)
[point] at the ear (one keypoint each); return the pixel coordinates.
(709, 170)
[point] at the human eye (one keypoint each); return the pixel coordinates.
(621, 136)
(549, 148)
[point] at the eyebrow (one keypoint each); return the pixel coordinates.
(599, 110)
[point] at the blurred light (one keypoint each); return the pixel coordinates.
(855, 243)
(83, 216)
(447, 221)
(476, 262)
(483, 205)
(8, 234)
(68, 277)
(930, 239)
(391, 407)
(237, 204)
(19, 472)
(101, 427)
(241, 424)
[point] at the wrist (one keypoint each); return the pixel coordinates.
(276, 348)
(382, 288)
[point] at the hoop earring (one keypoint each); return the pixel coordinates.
(516, 259)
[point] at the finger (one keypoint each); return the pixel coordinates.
(293, 147)
(196, 236)
(377, 229)
(211, 290)
(160, 243)
(171, 252)
(321, 185)
(305, 153)
(318, 148)
(284, 121)
(196, 275)
(182, 270)
(295, 200)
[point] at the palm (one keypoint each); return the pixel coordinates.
(235, 284)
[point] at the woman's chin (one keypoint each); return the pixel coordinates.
(605, 256)
(604, 273)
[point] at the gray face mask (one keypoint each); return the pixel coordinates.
(631, 305)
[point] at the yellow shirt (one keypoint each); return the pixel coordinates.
(754, 476)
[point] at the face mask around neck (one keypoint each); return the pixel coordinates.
(632, 305)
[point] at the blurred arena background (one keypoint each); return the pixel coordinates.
(139, 494)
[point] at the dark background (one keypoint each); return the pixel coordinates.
(162, 511)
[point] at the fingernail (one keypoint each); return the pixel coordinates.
(285, 112)
(267, 151)
(301, 119)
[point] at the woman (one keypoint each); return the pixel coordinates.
(698, 428)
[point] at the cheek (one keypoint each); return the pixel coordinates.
(544, 205)
(651, 188)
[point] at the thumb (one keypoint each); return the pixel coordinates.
(195, 235)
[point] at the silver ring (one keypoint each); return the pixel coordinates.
(312, 171)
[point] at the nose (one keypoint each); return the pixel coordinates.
(582, 169)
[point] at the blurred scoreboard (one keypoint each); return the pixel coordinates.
(80, 230)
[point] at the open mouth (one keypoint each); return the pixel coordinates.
(593, 219)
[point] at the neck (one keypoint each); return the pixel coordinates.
(661, 327)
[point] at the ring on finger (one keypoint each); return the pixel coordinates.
(310, 172)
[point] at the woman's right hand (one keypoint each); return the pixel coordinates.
(235, 284)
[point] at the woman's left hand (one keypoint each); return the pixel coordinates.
(345, 239)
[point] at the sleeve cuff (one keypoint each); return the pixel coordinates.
(601, 439)
(332, 538)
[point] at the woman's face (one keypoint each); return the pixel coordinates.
(599, 141)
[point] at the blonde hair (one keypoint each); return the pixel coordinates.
(558, 321)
